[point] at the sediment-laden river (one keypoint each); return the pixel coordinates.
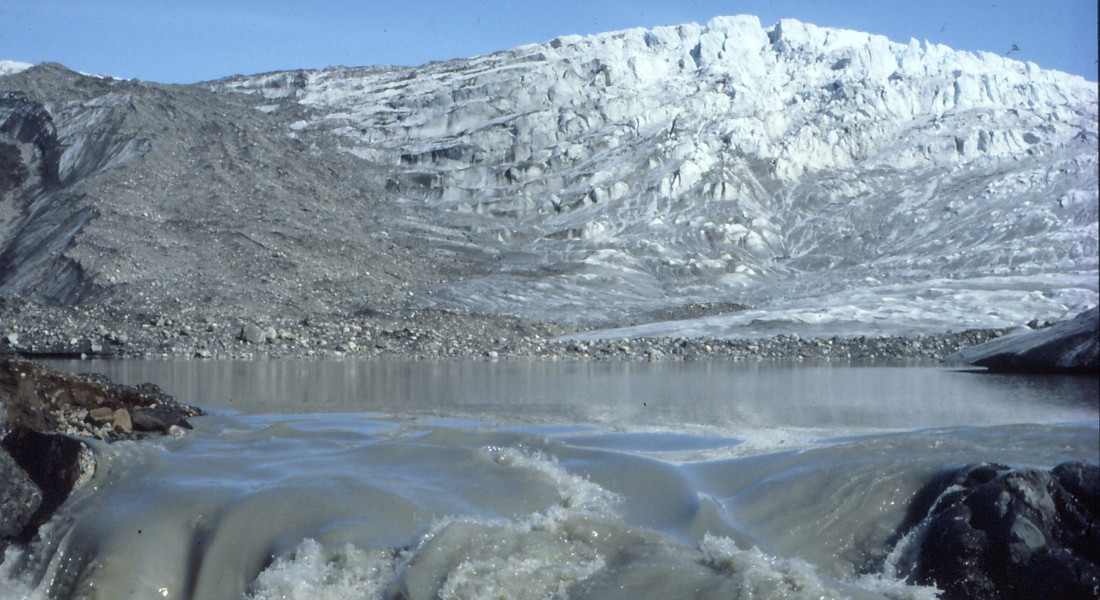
(388, 479)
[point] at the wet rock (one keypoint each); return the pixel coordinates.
(46, 418)
(998, 533)
(46, 400)
(19, 499)
(100, 414)
(56, 464)
(122, 421)
(158, 419)
(1068, 347)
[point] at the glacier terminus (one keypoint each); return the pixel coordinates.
(833, 181)
(790, 179)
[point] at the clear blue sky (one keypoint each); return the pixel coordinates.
(182, 41)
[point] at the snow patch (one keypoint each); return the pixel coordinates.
(11, 67)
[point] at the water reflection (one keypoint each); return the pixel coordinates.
(706, 394)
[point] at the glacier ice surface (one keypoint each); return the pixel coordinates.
(833, 180)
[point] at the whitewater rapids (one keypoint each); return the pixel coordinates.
(520, 480)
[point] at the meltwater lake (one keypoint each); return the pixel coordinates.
(419, 479)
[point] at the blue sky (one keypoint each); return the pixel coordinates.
(176, 41)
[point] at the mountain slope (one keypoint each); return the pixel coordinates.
(833, 181)
(161, 199)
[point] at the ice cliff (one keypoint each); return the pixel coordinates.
(793, 166)
(831, 180)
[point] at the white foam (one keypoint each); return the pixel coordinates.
(15, 581)
(578, 496)
(760, 575)
(314, 573)
(539, 555)
(577, 544)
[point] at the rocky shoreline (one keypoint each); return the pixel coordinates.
(35, 331)
(48, 420)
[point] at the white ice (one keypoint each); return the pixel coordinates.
(829, 179)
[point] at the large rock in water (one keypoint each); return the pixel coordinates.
(46, 416)
(19, 498)
(1068, 347)
(995, 533)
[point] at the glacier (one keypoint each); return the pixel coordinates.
(726, 179)
(833, 181)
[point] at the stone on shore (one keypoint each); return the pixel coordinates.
(1069, 347)
(254, 334)
(51, 401)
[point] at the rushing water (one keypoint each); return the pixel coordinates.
(315, 480)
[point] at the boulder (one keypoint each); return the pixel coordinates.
(47, 419)
(1068, 347)
(19, 499)
(995, 533)
(254, 334)
(57, 465)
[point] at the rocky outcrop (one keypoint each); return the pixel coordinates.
(995, 533)
(53, 466)
(38, 217)
(48, 418)
(50, 401)
(1068, 347)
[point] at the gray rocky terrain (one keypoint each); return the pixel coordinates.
(129, 204)
(178, 199)
(1072, 346)
(426, 334)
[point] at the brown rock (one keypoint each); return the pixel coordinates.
(121, 419)
(41, 399)
(101, 414)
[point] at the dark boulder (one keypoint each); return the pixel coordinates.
(47, 418)
(995, 533)
(19, 500)
(1068, 347)
(56, 464)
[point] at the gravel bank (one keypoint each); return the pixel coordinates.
(32, 330)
